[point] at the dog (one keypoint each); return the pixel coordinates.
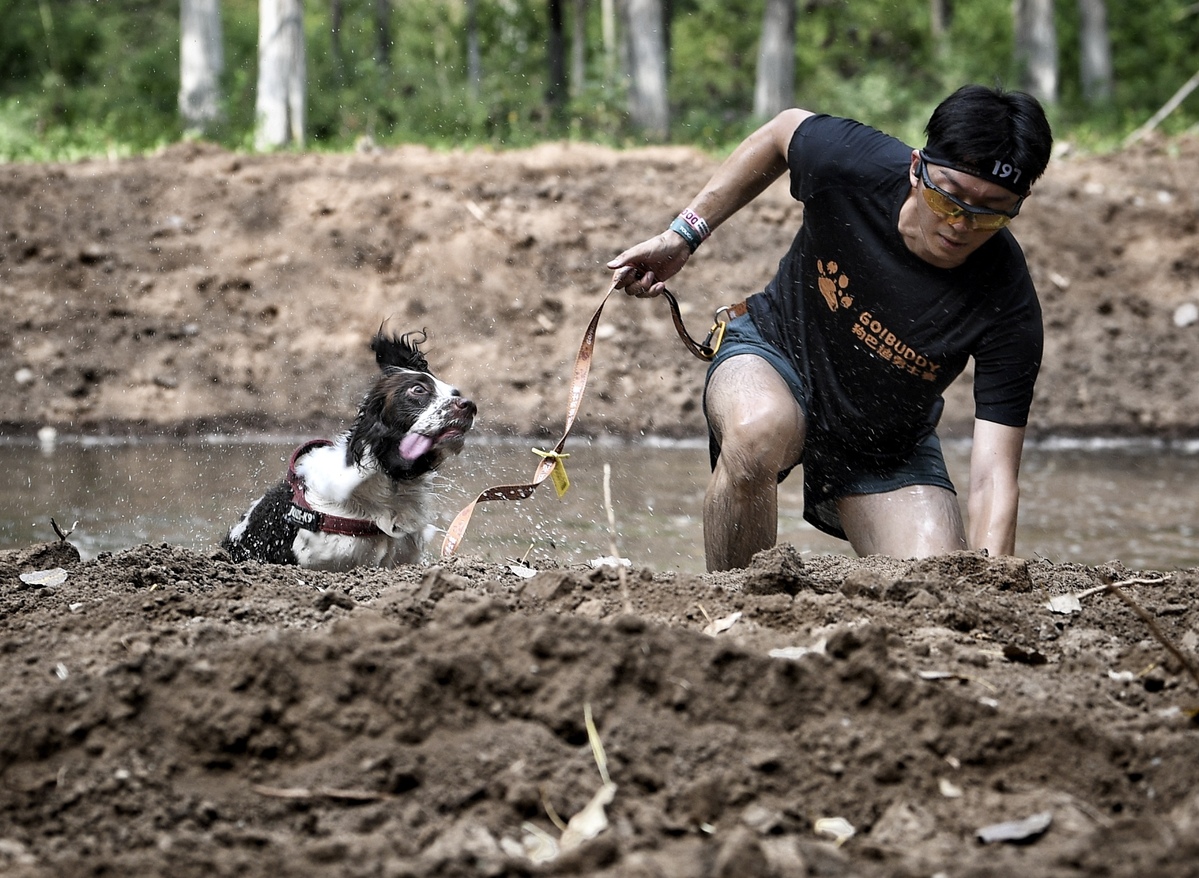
(363, 499)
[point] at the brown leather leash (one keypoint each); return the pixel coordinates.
(704, 350)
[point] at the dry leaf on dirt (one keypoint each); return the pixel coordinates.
(1024, 830)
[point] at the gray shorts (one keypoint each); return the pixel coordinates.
(830, 469)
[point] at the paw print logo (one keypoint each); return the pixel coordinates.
(833, 285)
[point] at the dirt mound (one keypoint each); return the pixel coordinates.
(169, 712)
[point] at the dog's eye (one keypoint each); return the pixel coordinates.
(418, 390)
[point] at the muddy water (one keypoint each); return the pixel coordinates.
(1087, 505)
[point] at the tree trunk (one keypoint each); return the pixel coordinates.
(668, 36)
(383, 33)
(774, 90)
(474, 63)
(1095, 52)
(201, 62)
(940, 14)
(941, 17)
(336, 12)
(1036, 48)
(555, 85)
(578, 48)
(611, 50)
(282, 75)
(645, 42)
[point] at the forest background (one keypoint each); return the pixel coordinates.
(102, 77)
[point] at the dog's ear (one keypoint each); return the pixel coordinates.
(368, 426)
(402, 352)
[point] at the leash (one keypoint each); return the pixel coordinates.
(551, 461)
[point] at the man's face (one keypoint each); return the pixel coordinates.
(945, 231)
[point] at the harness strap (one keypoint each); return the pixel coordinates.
(582, 369)
(308, 518)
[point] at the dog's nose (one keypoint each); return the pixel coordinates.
(465, 406)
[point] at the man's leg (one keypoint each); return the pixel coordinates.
(761, 430)
(911, 522)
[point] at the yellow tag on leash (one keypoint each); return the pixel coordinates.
(558, 473)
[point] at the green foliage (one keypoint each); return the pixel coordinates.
(81, 77)
(78, 80)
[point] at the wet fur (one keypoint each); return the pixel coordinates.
(365, 474)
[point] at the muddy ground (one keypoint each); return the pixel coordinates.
(168, 712)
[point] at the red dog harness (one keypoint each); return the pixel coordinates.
(307, 517)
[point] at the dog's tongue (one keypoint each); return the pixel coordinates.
(413, 445)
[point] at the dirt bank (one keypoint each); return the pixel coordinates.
(201, 287)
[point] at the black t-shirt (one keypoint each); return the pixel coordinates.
(876, 332)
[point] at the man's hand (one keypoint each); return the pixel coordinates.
(643, 270)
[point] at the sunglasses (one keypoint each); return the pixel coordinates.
(949, 207)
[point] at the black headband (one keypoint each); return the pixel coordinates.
(1001, 172)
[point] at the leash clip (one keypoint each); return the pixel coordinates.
(725, 315)
(709, 348)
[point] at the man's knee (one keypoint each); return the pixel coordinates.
(759, 445)
(912, 522)
(755, 418)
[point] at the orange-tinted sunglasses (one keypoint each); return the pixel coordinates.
(950, 207)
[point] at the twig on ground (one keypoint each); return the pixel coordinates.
(550, 811)
(321, 793)
(1136, 581)
(597, 745)
(612, 550)
(1116, 589)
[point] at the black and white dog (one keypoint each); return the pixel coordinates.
(364, 499)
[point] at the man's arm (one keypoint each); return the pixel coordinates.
(994, 490)
(757, 162)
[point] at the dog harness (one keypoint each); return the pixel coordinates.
(308, 518)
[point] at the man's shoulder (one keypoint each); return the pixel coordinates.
(1000, 265)
(852, 150)
(821, 131)
(1003, 251)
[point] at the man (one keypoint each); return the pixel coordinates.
(902, 270)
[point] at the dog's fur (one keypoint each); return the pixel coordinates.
(363, 499)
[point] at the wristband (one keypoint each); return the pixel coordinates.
(697, 222)
(688, 234)
(692, 227)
